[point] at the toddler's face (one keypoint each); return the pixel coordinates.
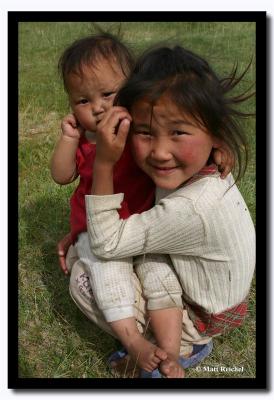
(167, 145)
(92, 93)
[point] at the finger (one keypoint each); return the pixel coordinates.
(66, 244)
(74, 119)
(116, 109)
(225, 171)
(63, 244)
(71, 120)
(123, 130)
(113, 118)
(61, 249)
(63, 266)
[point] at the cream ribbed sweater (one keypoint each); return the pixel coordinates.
(206, 230)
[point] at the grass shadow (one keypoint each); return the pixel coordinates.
(45, 224)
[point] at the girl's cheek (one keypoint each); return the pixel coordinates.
(186, 154)
(138, 148)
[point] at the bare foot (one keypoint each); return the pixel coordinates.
(170, 368)
(145, 354)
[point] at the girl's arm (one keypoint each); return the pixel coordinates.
(63, 164)
(171, 227)
(111, 138)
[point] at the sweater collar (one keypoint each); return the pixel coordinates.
(211, 169)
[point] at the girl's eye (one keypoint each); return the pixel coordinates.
(179, 133)
(143, 133)
(108, 94)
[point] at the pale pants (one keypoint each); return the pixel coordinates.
(83, 293)
(111, 281)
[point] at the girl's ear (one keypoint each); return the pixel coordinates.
(217, 143)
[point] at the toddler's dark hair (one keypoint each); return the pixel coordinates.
(195, 88)
(91, 49)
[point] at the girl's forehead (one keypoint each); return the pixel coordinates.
(164, 112)
(164, 107)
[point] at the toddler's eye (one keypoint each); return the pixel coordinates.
(83, 101)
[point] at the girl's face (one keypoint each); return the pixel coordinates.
(167, 145)
(92, 93)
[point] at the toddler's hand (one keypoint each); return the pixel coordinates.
(224, 159)
(62, 249)
(71, 128)
(111, 135)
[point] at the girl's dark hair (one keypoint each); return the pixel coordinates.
(91, 49)
(195, 88)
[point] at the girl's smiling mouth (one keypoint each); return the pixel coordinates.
(163, 170)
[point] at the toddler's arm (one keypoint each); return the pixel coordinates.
(63, 164)
(224, 159)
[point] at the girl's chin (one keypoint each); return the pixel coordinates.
(167, 185)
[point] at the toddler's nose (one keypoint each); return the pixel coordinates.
(97, 108)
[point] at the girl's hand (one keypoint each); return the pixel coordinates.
(224, 159)
(71, 128)
(111, 136)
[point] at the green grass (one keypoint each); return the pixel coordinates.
(55, 338)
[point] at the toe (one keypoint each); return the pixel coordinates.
(164, 368)
(161, 354)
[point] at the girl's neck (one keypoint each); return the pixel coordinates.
(211, 169)
(207, 170)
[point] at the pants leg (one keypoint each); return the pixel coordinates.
(159, 281)
(111, 281)
(81, 292)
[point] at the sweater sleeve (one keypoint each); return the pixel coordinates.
(171, 227)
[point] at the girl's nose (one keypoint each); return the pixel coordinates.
(160, 151)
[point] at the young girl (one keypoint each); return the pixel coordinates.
(179, 111)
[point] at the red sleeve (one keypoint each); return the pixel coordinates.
(124, 211)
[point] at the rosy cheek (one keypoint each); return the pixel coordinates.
(138, 149)
(186, 154)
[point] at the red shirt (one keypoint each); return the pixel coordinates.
(128, 178)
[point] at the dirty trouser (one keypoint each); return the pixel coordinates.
(81, 293)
